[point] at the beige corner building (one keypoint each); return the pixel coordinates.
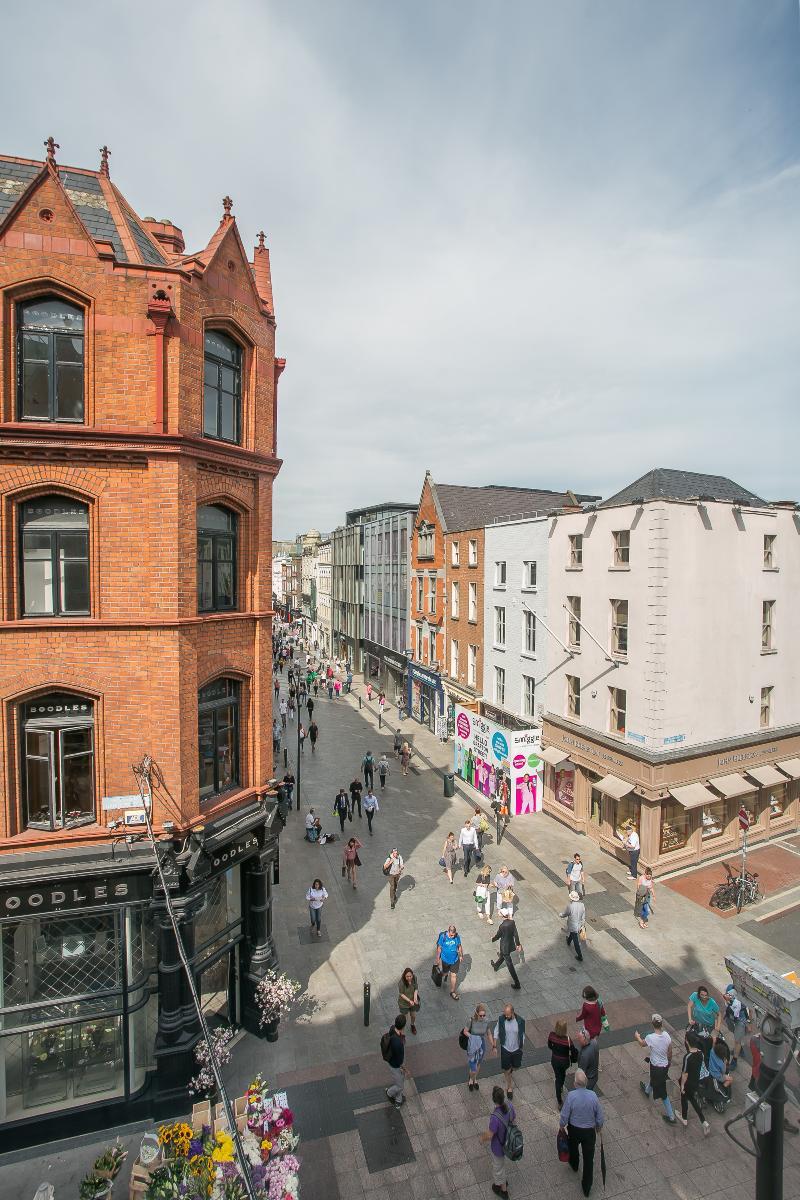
(673, 689)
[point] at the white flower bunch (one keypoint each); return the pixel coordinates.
(275, 995)
(205, 1055)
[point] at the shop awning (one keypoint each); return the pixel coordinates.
(790, 767)
(693, 795)
(552, 755)
(767, 776)
(611, 786)
(731, 786)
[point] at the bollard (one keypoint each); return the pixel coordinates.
(359, 701)
(285, 757)
(366, 1003)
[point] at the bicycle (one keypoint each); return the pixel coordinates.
(736, 891)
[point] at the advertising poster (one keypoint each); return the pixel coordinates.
(565, 788)
(499, 763)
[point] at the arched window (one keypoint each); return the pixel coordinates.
(54, 539)
(50, 361)
(216, 558)
(218, 736)
(222, 387)
(58, 762)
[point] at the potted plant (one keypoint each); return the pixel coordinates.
(107, 1165)
(274, 996)
(205, 1055)
(94, 1188)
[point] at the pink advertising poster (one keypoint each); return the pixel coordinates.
(497, 761)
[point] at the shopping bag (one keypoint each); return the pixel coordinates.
(562, 1146)
(436, 975)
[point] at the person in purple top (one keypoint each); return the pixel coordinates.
(496, 1135)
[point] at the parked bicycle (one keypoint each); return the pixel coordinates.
(737, 890)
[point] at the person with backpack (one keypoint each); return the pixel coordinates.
(501, 1123)
(509, 1038)
(368, 768)
(398, 741)
(383, 770)
(581, 1118)
(393, 1053)
(341, 807)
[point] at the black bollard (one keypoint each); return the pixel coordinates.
(359, 701)
(366, 1003)
(285, 757)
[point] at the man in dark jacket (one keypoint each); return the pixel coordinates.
(396, 1059)
(355, 796)
(341, 808)
(509, 942)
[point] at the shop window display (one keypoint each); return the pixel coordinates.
(596, 808)
(675, 827)
(626, 815)
(565, 789)
(714, 820)
(776, 802)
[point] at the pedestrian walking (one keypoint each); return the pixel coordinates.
(276, 739)
(355, 797)
(395, 1057)
(393, 867)
(368, 769)
(737, 1018)
(370, 807)
(405, 757)
(330, 687)
(316, 897)
(337, 688)
(348, 681)
(369, 691)
(398, 741)
(316, 687)
(277, 687)
(589, 1057)
(408, 997)
(483, 894)
(563, 1052)
(383, 770)
(282, 798)
(508, 937)
(690, 1080)
(509, 1038)
(468, 841)
(310, 708)
(593, 1014)
(313, 735)
(633, 846)
(481, 826)
(381, 707)
(284, 708)
(449, 855)
(288, 782)
(575, 912)
(659, 1045)
(576, 880)
(350, 860)
(449, 955)
(341, 807)
(292, 708)
(502, 1116)
(645, 893)
(581, 1119)
(476, 1033)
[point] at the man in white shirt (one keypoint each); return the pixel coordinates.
(468, 840)
(575, 876)
(659, 1043)
(631, 844)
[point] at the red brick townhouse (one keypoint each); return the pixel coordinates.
(138, 401)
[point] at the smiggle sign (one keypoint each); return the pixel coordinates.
(500, 763)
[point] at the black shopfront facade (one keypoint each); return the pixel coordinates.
(386, 670)
(97, 1023)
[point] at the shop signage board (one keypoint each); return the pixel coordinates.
(94, 892)
(495, 760)
(110, 803)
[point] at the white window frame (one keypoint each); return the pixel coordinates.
(472, 553)
(454, 599)
(573, 622)
(455, 554)
(432, 594)
(472, 605)
(767, 626)
(528, 629)
(500, 685)
(431, 645)
(573, 685)
(529, 575)
(500, 574)
(420, 593)
(528, 696)
(499, 625)
(454, 658)
(472, 666)
(769, 551)
(617, 708)
(576, 551)
(765, 720)
(622, 547)
(619, 628)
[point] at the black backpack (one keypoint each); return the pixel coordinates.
(386, 1043)
(512, 1145)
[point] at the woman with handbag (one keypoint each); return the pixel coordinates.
(449, 855)
(483, 895)
(350, 860)
(408, 998)
(478, 1030)
(643, 904)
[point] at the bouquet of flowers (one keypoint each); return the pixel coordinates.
(257, 1094)
(174, 1139)
(275, 995)
(110, 1161)
(205, 1055)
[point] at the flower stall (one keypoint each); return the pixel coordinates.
(197, 1161)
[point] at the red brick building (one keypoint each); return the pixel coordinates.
(138, 406)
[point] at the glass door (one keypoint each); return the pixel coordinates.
(216, 986)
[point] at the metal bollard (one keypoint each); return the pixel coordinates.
(366, 1003)
(359, 701)
(285, 757)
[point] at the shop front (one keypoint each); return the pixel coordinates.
(683, 805)
(425, 697)
(501, 763)
(97, 1024)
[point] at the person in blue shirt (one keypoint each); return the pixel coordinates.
(449, 955)
(581, 1117)
(703, 1011)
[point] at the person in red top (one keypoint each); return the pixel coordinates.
(592, 1013)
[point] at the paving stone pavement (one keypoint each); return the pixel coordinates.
(354, 1143)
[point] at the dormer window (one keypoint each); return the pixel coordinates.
(50, 361)
(222, 388)
(425, 541)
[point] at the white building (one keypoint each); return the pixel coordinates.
(277, 577)
(673, 697)
(323, 588)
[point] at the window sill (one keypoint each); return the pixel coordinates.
(618, 657)
(530, 656)
(500, 649)
(574, 649)
(772, 570)
(472, 566)
(573, 568)
(499, 587)
(772, 650)
(529, 591)
(620, 567)
(472, 620)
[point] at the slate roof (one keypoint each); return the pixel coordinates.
(91, 206)
(664, 483)
(150, 255)
(474, 507)
(14, 179)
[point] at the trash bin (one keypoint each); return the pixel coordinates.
(449, 783)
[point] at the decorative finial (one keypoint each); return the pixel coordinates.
(227, 204)
(261, 237)
(51, 146)
(104, 153)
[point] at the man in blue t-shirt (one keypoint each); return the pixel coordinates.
(449, 955)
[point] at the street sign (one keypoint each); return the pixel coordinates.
(112, 802)
(744, 820)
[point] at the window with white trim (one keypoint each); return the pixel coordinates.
(767, 624)
(473, 602)
(472, 665)
(454, 599)
(528, 631)
(454, 659)
(499, 626)
(573, 696)
(499, 685)
(769, 551)
(420, 593)
(619, 626)
(500, 574)
(622, 547)
(432, 594)
(454, 554)
(574, 622)
(576, 549)
(473, 552)
(766, 707)
(528, 696)
(618, 703)
(529, 574)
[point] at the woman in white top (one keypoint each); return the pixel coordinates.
(316, 897)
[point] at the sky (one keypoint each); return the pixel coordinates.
(547, 244)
